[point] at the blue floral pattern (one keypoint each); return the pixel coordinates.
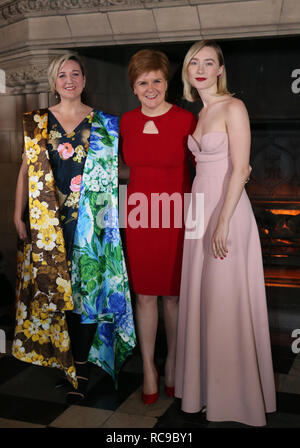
(99, 278)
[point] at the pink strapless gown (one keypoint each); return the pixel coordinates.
(223, 350)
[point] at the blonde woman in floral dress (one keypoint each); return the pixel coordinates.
(73, 302)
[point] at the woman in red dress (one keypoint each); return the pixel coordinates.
(154, 147)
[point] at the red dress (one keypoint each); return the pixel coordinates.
(158, 164)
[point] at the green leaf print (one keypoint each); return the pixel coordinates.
(91, 285)
(102, 264)
(89, 268)
(118, 253)
(97, 341)
(108, 140)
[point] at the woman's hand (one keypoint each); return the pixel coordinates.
(21, 229)
(219, 240)
(21, 200)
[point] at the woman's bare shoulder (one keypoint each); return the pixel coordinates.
(234, 104)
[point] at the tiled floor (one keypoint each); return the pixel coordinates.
(29, 399)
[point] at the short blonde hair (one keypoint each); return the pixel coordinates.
(56, 64)
(145, 61)
(189, 92)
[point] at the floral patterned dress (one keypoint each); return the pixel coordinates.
(74, 259)
(67, 154)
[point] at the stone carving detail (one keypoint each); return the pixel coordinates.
(18, 8)
(26, 75)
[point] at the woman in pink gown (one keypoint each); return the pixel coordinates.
(223, 360)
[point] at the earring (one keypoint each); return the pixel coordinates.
(56, 95)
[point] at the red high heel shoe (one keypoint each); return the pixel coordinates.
(170, 391)
(151, 398)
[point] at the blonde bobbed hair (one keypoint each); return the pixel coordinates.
(189, 92)
(57, 63)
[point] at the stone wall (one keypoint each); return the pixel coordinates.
(10, 153)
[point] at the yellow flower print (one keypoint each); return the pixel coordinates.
(64, 286)
(46, 239)
(45, 321)
(53, 139)
(27, 272)
(34, 272)
(52, 307)
(71, 372)
(50, 220)
(18, 349)
(41, 217)
(38, 211)
(53, 362)
(19, 329)
(55, 334)
(37, 257)
(32, 330)
(21, 313)
(45, 134)
(35, 213)
(44, 337)
(32, 149)
(35, 309)
(41, 120)
(35, 358)
(64, 341)
(73, 200)
(49, 178)
(54, 135)
(60, 241)
(35, 187)
(80, 153)
(32, 172)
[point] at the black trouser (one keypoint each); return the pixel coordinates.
(81, 336)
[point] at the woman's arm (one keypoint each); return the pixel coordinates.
(238, 129)
(21, 200)
(124, 170)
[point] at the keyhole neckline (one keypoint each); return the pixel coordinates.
(156, 117)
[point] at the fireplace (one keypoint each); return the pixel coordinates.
(274, 193)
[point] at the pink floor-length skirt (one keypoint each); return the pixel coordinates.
(223, 356)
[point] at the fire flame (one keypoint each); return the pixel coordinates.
(286, 212)
(284, 241)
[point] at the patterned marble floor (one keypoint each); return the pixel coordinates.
(29, 399)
